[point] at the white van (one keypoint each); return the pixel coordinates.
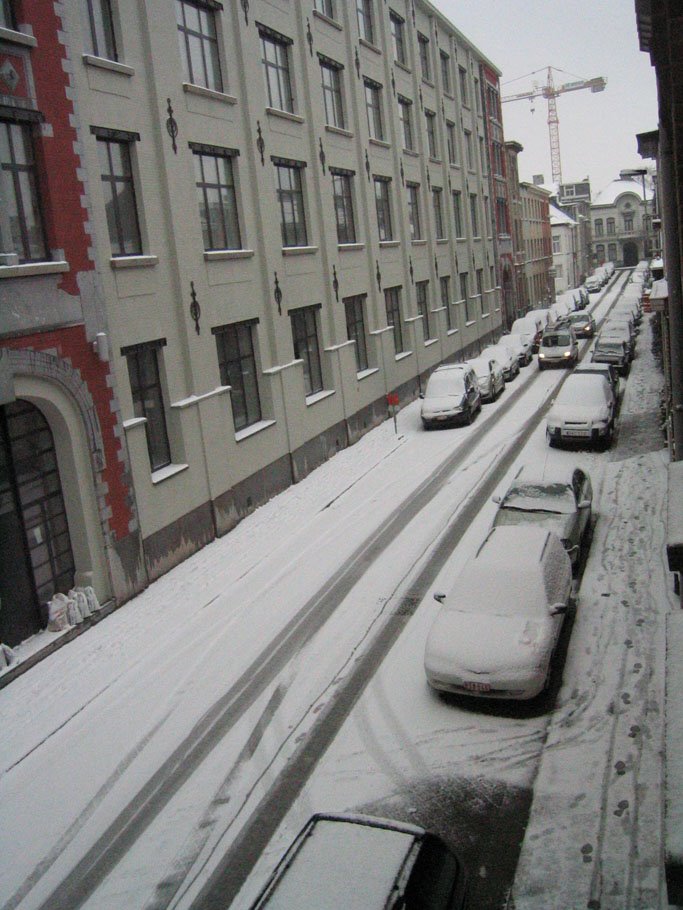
(356, 862)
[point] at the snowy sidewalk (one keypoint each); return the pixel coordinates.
(595, 828)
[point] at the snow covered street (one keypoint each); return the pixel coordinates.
(153, 760)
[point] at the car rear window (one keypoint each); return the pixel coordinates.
(445, 385)
(556, 341)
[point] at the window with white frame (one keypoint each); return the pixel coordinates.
(451, 143)
(398, 37)
(373, 107)
(464, 86)
(306, 346)
(215, 182)
(276, 65)
(383, 208)
(445, 61)
(432, 145)
(100, 36)
(392, 305)
(405, 113)
(22, 230)
(364, 16)
(342, 192)
(354, 309)
(118, 184)
(331, 76)
(458, 221)
(290, 197)
(425, 62)
(437, 204)
(557, 245)
(598, 226)
(326, 7)
(238, 369)
(199, 42)
(148, 399)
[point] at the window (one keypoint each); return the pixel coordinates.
(413, 190)
(237, 365)
(457, 213)
(6, 15)
(445, 61)
(383, 206)
(628, 222)
(275, 59)
(365, 23)
(474, 215)
(306, 348)
(465, 295)
(398, 37)
(557, 247)
(425, 65)
(355, 329)
(373, 106)
(600, 252)
(198, 44)
(477, 96)
(332, 93)
(610, 226)
(291, 200)
(430, 120)
(451, 142)
(445, 288)
(480, 289)
(482, 155)
(422, 293)
(611, 252)
(148, 401)
(502, 215)
(21, 220)
(392, 304)
(599, 227)
(469, 150)
(405, 115)
(559, 271)
(216, 196)
(464, 88)
(326, 7)
(101, 29)
(438, 212)
(119, 191)
(343, 205)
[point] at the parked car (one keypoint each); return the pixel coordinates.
(520, 349)
(558, 347)
(452, 396)
(582, 323)
(560, 502)
(505, 358)
(621, 331)
(593, 284)
(355, 862)
(489, 376)
(584, 411)
(525, 341)
(614, 351)
(608, 370)
(498, 627)
(529, 325)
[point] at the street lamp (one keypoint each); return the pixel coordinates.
(642, 173)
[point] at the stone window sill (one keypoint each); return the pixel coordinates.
(133, 262)
(113, 66)
(28, 269)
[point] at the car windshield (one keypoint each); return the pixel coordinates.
(445, 385)
(540, 497)
(584, 391)
(556, 341)
(610, 347)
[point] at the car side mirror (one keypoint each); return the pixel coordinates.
(439, 597)
(558, 609)
(497, 499)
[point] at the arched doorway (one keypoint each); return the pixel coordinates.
(630, 253)
(36, 558)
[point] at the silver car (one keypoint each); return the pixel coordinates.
(561, 503)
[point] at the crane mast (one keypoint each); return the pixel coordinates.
(550, 92)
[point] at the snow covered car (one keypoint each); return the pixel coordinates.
(582, 323)
(505, 358)
(614, 351)
(584, 412)
(498, 627)
(489, 377)
(561, 502)
(519, 345)
(593, 285)
(608, 370)
(452, 396)
(558, 347)
(354, 862)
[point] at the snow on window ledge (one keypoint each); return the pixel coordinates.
(253, 429)
(169, 471)
(319, 396)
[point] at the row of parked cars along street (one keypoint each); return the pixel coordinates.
(499, 626)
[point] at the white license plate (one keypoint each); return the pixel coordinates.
(581, 433)
(476, 686)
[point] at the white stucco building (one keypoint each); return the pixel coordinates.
(621, 227)
(565, 246)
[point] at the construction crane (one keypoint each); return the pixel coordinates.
(551, 91)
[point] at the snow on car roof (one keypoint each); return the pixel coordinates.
(583, 389)
(540, 495)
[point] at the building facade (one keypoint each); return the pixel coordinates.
(621, 223)
(565, 240)
(536, 231)
(232, 230)
(575, 200)
(516, 214)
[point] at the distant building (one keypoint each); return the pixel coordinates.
(565, 246)
(538, 261)
(621, 231)
(575, 200)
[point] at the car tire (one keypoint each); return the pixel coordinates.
(470, 416)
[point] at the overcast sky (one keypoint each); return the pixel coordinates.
(585, 39)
